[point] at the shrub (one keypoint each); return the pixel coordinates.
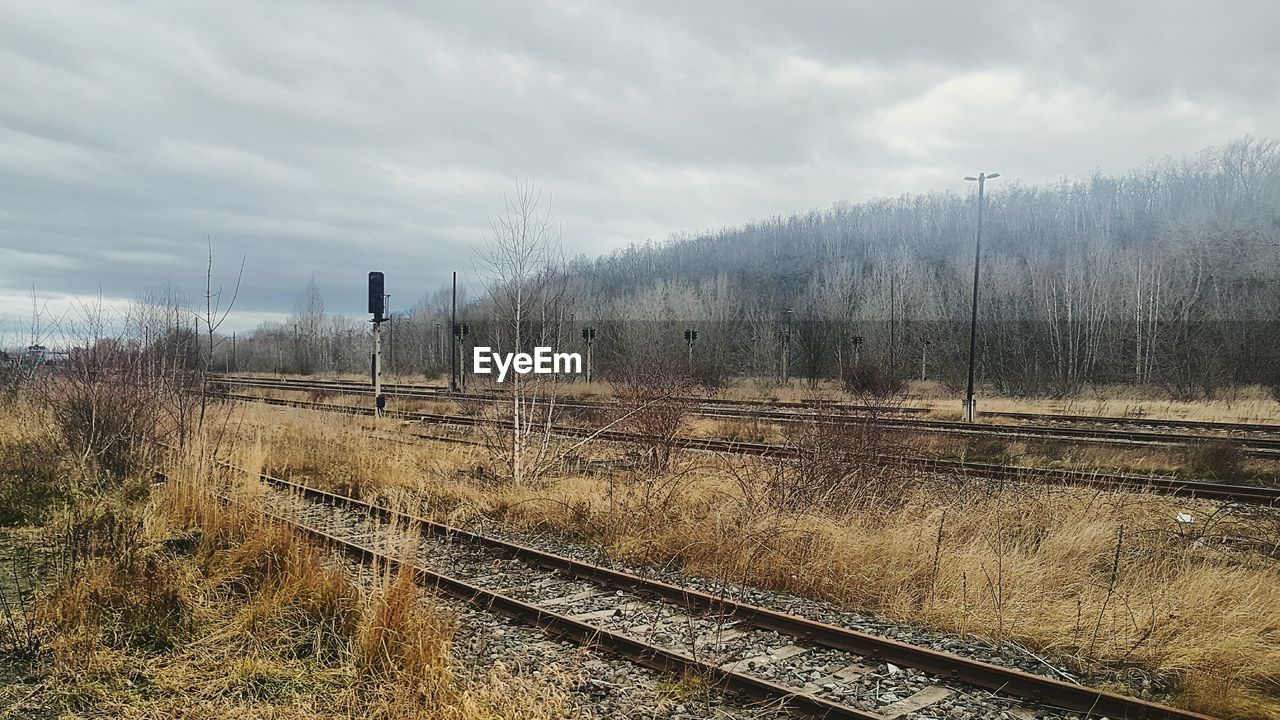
(873, 380)
(106, 407)
(1214, 458)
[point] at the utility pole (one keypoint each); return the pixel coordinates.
(589, 334)
(377, 307)
(453, 338)
(969, 408)
(690, 336)
(786, 348)
(233, 352)
(893, 323)
(924, 348)
(460, 332)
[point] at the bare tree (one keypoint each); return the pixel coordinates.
(215, 314)
(308, 323)
(523, 261)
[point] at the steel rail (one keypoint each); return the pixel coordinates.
(561, 626)
(1259, 495)
(1264, 447)
(1038, 689)
(766, 406)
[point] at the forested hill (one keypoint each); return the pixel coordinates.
(1168, 274)
(1196, 235)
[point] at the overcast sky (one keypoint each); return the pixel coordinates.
(335, 138)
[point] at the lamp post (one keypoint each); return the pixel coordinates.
(969, 409)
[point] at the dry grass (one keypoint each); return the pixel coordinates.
(1245, 404)
(1242, 404)
(167, 603)
(1106, 584)
(33, 476)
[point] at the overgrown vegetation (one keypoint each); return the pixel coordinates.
(1106, 586)
(32, 476)
(158, 600)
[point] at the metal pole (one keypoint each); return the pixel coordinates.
(970, 410)
(786, 351)
(462, 364)
(453, 338)
(893, 322)
(589, 344)
(377, 368)
(233, 352)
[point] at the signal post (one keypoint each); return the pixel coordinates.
(377, 308)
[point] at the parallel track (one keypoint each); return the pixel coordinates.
(677, 629)
(1161, 485)
(1254, 440)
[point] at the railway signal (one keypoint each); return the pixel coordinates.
(690, 337)
(589, 336)
(377, 308)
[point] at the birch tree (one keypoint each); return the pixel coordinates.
(522, 259)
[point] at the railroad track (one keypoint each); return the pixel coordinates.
(810, 667)
(1135, 483)
(1249, 439)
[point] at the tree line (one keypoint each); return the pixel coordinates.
(1166, 276)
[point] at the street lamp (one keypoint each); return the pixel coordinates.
(969, 408)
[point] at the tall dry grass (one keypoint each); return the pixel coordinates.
(1102, 584)
(165, 602)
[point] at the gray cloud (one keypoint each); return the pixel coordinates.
(332, 138)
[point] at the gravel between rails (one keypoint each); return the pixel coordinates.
(832, 674)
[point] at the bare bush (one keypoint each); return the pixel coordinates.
(104, 406)
(877, 381)
(654, 399)
(835, 459)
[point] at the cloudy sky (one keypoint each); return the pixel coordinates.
(329, 139)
